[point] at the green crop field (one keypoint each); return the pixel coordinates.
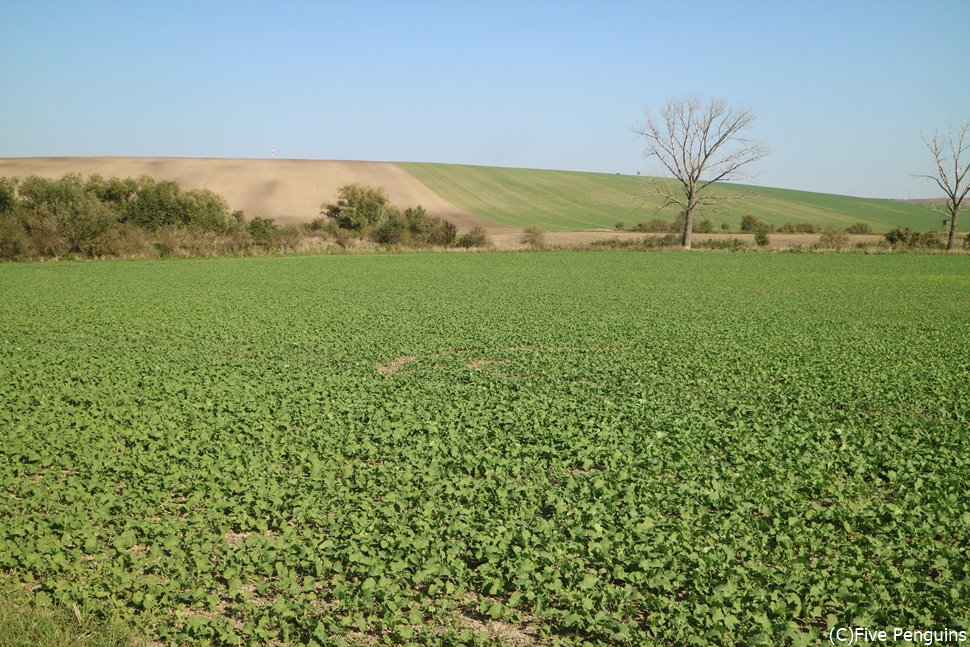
(567, 200)
(607, 448)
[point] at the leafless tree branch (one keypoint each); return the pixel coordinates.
(699, 143)
(947, 151)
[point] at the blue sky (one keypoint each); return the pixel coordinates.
(842, 90)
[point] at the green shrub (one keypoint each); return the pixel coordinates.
(263, 230)
(761, 235)
(414, 227)
(15, 242)
(800, 228)
(125, 240)
(393, 230)
(477, 236)
(859, 228)
(207, 211)
(913, 239)
(427, 229)
(637, 244)
(155, 205)
(749, 222)
(114, 191)
(83, 229)
(833, 238)
(725, 226)
(358, 207)
(900, 236)
(8, 194)
(730, 244)
(533, 237)
(619, 226)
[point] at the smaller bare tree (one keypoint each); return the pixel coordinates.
(950, 175)
(698, 143)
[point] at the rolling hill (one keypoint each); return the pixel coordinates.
(501, 199)
(567, 200)
(286, 190)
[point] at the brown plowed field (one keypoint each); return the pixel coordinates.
(289, 191)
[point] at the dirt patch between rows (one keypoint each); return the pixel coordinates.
(396, 365)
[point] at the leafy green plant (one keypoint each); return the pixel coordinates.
(477, 236)
(730, 244)
(859, 228)
(749, 222)
(913, 239)
(433, 448)
(761, 235)
(533, 237)
(833, 238)
(358, 206)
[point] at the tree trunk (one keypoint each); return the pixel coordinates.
(688, 227)
(951, 241)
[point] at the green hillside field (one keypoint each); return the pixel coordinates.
(569, 201)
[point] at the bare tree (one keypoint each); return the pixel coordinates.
(698, 143)
(955, 183)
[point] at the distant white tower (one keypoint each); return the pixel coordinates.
(272, 152)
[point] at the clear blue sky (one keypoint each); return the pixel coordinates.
(842, 89)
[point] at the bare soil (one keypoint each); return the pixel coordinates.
(289, 191)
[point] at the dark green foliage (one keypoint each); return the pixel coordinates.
(761, 234)
(358, 207)
(799, 228)
(263, 230)
(160, 204)
(725, 226)
(619, 226)
(155, 205)
(115, 191)
(912, 239)
(749, 222)
(414, 227)
(428, 229)
(53, 218)
(859, 228)
(477, 236)
(70, 216)
(8, 194)
(730, 244)
(637, 244)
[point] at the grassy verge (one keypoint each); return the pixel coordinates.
(26, 621)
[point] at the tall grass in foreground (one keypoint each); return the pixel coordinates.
(25, 624)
